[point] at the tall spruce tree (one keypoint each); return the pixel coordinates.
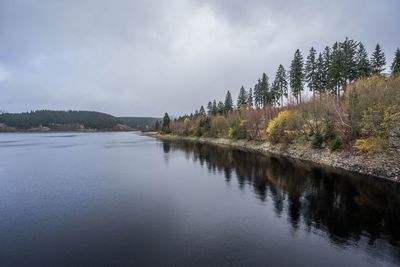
(264, 91)
(250, 101)
(327, 58)
(311, 71)
(214, 107)
(378, 60)
(202, 112)
(257, 94)
(349, 66)
(242, 98)
(166, 123)
(335, 73)
(396, 63)
(210, 108)
(320, 75)
(362, 61)
(297, 75)
(220, 107)
(228, 105)
(280, 85)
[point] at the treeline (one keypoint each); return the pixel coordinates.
(59, 119)
(139, 123)
(337, 78)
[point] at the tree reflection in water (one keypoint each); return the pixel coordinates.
(345, 206)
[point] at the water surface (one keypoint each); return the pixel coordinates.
(121, 199)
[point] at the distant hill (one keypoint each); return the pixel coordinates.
(140, 123)
(59, 120)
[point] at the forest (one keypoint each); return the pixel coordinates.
(59, 120)
(339, 98)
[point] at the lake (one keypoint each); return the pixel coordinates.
(122, 199)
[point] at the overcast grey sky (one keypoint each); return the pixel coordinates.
(142, 58)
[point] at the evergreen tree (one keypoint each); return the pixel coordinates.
(202, 112)
(280, 85)
(264, 91)
(228, 102)
(257, 94)
(166, 123)
(242, 98)
(297, 75)
(250, 98)
(325, 78)
(396, 63)
(157, 126)
(363, 65)
(349, 66)
(209, 108)
(320, 75)
(335, 73)
(214, 107)
(220, 107)
(378, 60)
(311, 71)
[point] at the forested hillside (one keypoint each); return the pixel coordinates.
(139, 123)
(59, 120)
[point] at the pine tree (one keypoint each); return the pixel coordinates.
(214, 107)
(362, 61)
(297, 75)
(311, 71)
(378, 60)
(320, 79)
(250, 98)
(157, 126)
(202, 112)
(209, 108)
(257, 94)
(264, 92)
(228, 105)
(396, 63)
(242, 98)
(335, 73)
(349, 66)
(325, 79)
(220, 107)
(280, 85)
(166, 123)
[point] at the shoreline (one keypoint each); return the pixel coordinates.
(379, 167)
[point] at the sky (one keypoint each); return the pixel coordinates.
(143, 58)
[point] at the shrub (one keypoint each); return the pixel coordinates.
(285, 127)
(317, 140)
(374, 111)
(369, 145)
(334, 144)
(219, 126)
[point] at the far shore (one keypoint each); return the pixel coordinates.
(381, 166)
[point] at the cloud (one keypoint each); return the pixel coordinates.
(147, 57)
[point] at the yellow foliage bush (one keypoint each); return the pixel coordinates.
(285, 127)
(370, 145)
(364, 145)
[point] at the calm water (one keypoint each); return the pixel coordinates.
(121, 199)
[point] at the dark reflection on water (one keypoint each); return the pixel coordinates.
(346, 206)
(122, 199)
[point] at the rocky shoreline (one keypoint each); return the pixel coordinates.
(381, 166)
